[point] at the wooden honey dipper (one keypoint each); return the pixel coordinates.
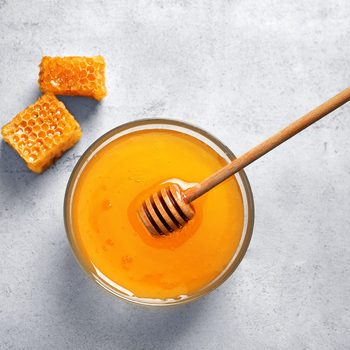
(170, 209)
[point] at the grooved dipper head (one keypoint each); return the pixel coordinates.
(166, 211)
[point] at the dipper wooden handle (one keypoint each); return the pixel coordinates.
(170, 208)
(266, 146)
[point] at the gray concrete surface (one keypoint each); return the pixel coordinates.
(239, 69)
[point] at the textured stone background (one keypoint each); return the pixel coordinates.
(240, 69)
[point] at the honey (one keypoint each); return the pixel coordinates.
(114, 243)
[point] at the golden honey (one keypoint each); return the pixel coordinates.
(111, 238)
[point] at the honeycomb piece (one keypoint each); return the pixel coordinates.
(42, 132)
(73, 75)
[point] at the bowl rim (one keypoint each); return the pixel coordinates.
(93, 148)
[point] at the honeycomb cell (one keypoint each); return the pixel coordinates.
(48, 141)
(37, 146)
(59, 132)
(73, 75)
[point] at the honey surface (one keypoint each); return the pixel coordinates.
(111, 236)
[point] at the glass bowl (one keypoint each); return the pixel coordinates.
(193, 131)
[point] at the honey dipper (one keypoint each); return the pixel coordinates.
(170, 209)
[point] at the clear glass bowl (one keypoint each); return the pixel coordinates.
(196, 132)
